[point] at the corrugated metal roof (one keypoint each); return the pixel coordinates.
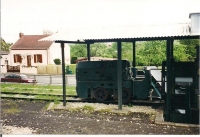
(121, 32)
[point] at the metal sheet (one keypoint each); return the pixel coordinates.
(121, 32)
(155, 72)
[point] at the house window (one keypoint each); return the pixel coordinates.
(38, 58)
(17, 58)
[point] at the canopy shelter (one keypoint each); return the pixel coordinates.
(122, 34)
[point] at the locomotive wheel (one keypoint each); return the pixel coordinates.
(126, 95)
(101, 94)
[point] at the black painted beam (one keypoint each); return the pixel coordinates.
(119, 74)
(134, 54)
(88, 51)
(63, 72)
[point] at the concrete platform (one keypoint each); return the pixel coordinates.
(160, 120)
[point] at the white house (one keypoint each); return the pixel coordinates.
(28, 51)
(4, 60)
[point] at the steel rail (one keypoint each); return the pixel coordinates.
(26, 93)
(31, 97)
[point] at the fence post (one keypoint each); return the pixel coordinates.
(50, 80)
(34, 77)
(66, 80)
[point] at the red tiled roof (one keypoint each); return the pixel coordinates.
(29, 42)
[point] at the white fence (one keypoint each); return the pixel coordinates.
(51, 79)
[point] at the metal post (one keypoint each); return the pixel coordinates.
(34, 77)
(88, 51)
(66, 80)
(63, 73)
(169, 77)
(50, 80)
(119, 74)
(134, 55)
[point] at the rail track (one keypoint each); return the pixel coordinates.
(72, 98)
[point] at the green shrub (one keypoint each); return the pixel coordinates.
(57, 61)
(72, 67)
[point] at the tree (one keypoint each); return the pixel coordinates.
(101, 50)
(78, 50)
(190, 47)
(96, 50)
(150, 53)
(5, 46)
(147, 53)
(180, 53)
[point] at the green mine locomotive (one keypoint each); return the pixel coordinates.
(98, 80)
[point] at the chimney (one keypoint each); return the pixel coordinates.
(195, 23)
(21, 34)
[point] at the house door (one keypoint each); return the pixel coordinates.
(28, 60)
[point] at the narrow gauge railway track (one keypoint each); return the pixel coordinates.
(73, 98)
(28, 93)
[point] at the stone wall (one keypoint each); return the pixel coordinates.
(40, 69)
(49, 69)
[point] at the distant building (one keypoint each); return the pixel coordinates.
(28, 51)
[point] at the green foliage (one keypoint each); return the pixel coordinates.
(101, 50)
(180, 52)
(57, 61)
(147, 52)
(190, 47)
(72, 67)
(38, 89)
(150, 53)
(96, 50)
(78, 50)
(88, 108)
(5, 46)
(73, 60)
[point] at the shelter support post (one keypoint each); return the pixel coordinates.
(88, 51)
(169, 77)
(134, 55)
(119, 74)
(63, 73)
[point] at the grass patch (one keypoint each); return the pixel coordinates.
(11, 108)
(53, 89)
(104, 111)
(46, 106)
(77, 109)
(11, 111)
(56, 102)
(88, 108)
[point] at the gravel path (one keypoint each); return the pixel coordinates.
(32, 117)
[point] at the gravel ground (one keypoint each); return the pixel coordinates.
(32, 117)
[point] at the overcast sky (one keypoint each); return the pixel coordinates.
(31, 17)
